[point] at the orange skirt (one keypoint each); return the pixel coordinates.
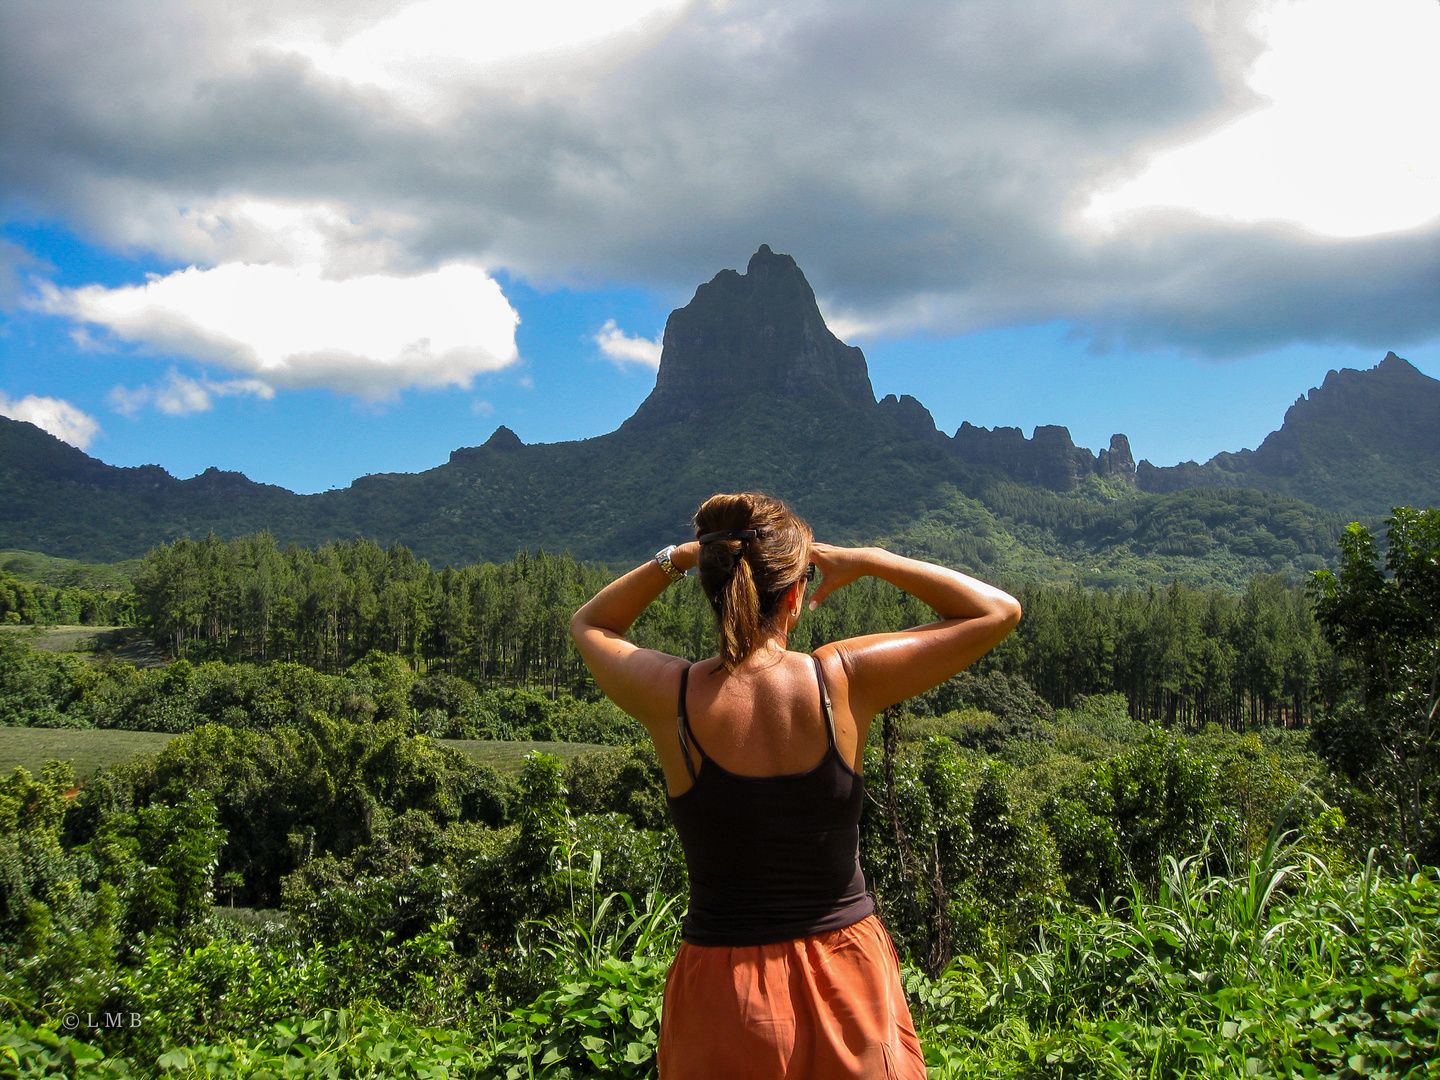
(824, 1007)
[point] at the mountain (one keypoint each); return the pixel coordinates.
(753, 391)
(760, 332)
(1362, 443)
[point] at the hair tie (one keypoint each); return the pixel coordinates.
(727, 534)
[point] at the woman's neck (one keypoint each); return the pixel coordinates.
(765, 656)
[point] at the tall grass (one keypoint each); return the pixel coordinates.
(1284, 969)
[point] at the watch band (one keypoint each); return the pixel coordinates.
(663, 558)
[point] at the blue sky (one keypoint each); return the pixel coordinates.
(309, 247)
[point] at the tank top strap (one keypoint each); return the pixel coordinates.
(825, 701)
(682, 725)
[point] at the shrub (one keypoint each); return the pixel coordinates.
(291, 793)
(956, 861)
(627, 780)
(1120, 819)
(36, 687)
(1009, 698)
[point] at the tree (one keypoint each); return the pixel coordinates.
(1385, 626)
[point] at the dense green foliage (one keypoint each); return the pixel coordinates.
(1122, 866)
(331, 606)
(1281, 968)
(1387, 630)
(45, 689)
(39, 589)
(1284, 969)
(506, 623)
(438, 917)
(1177, 654)
(38, 688)
(25, 602)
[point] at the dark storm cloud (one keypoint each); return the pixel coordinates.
(922, 161)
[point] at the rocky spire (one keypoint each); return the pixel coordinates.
(754, 333)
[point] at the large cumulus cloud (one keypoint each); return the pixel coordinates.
(928, 164)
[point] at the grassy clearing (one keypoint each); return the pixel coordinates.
(509, 757)
(121, 642)
(86, 639)
(89, 750)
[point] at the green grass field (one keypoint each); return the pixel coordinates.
(122, 642)
(89, 750)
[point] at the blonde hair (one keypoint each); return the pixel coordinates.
(745, 579)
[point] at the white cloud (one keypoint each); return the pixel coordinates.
(622, 349)
(429, 56)
(235, 387)
(847, 326)
(288, 326)
(1346, 142)
(294, 233)
(127, 401)
(425, 55)
(180, 395)
(55, 415)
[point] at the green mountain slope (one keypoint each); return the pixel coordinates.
(57, 500)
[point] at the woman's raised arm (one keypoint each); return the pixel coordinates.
(884, 669)
(643, 682)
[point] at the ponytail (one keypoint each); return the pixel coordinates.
(739, 614)
(752, 550)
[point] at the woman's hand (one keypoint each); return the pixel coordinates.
(686, 557)
(838, 567)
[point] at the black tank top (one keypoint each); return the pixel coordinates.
(771, 858)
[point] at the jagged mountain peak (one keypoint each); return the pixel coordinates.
(504, 439)
(760, 332)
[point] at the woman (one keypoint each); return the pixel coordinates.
(785, 970)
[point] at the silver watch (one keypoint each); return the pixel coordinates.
(663, 558)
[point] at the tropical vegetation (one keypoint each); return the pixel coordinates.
(1161, 833)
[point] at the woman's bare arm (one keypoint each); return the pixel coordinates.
(643, 682)
(883, 669)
